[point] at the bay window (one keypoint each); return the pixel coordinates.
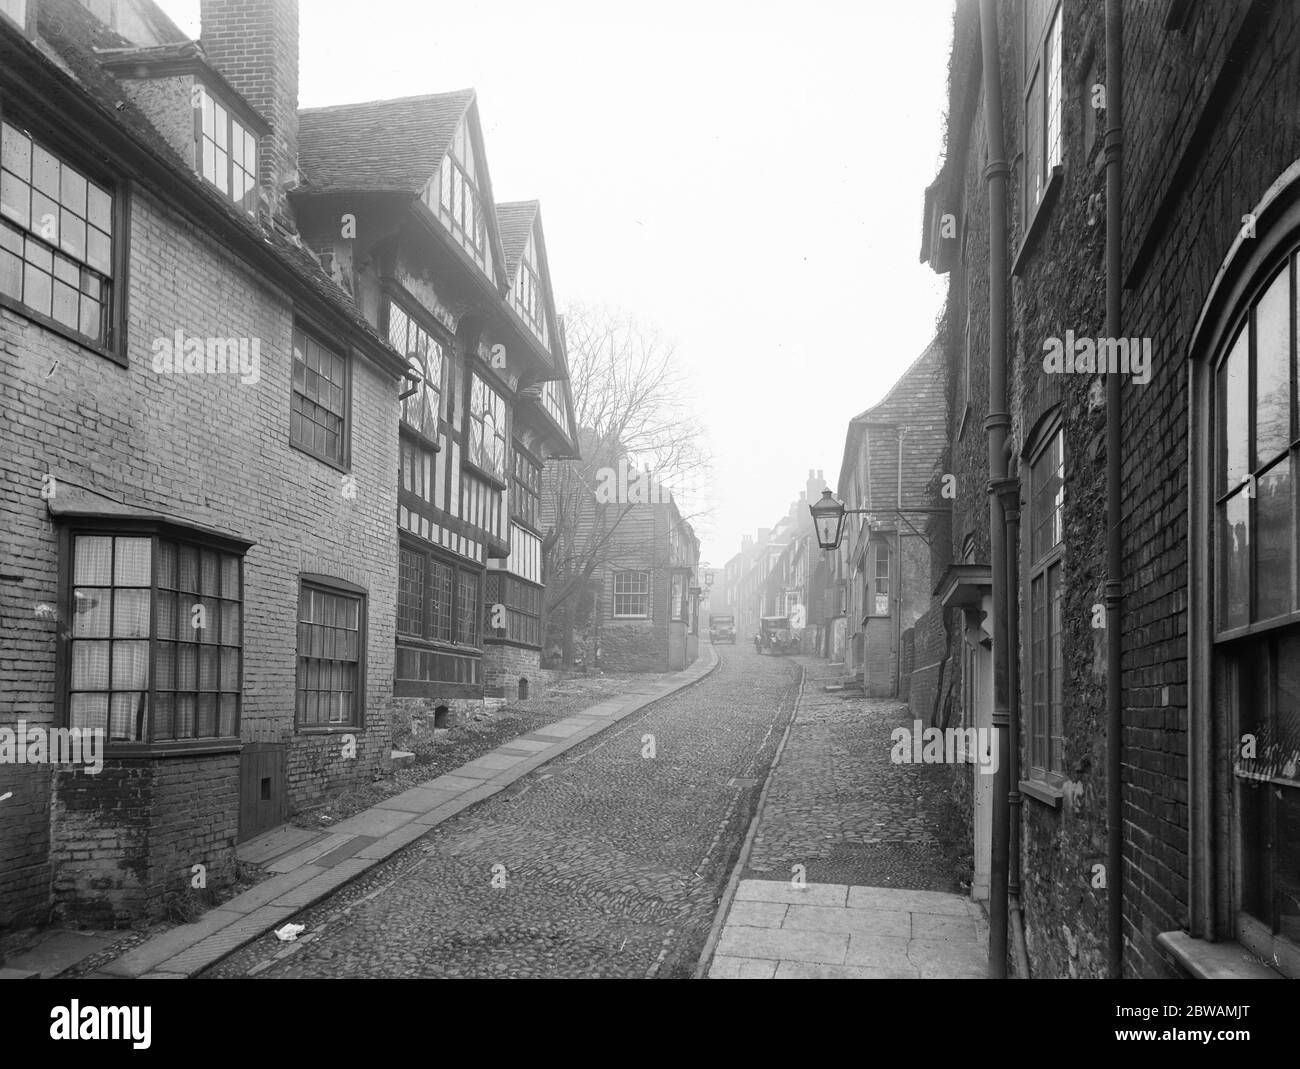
(523, 604)
(439, 621)
(154, 636)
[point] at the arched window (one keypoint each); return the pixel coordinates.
(1244, 620)
(1256, 609)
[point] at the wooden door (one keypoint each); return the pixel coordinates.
(262, 768)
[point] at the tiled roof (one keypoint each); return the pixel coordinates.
(378, 146)
(515, 222)
(68, 28)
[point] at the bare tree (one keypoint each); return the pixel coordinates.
(630, 398)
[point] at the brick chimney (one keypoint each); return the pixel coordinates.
(254, 44)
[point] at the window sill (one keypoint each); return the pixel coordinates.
(497, 481)
(1039, 222)
(1203, 960)
(55, 327)
(327, 729)
(328, 461)
(1046, 793)
(646, 617)
(419, 438)
(162, 750)
(437, 645)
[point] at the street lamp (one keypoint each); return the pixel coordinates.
(828, 519)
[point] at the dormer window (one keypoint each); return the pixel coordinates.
(455, 198)
(226, 151)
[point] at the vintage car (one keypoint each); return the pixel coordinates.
(722, 628)
(774, 636)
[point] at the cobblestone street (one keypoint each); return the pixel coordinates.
(602, 863)
(839, 807)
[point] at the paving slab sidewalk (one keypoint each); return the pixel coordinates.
(832, 799)
(311, 865)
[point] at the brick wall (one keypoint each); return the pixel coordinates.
(505, 665)
(1207, 131)
(128, 838)
(204, 447)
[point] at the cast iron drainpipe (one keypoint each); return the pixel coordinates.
(1009, 492)
(898, 579)
(996, 425)
(1114, 550)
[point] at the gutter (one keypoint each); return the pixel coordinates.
(1114, 146)
(996, 425)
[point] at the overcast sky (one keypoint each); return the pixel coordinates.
(745, 176)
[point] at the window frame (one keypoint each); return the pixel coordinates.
(502, 433)
(516, 614)
(427, 641)
(615, 594)
(248, 202)
(1257, 469)
(1218, 884)
(69, 528)
(677, 597)
(521, 491)
(417, 320)
(345, 435)
(333, 587)
(1035, 83)
(112, 343)
(879, 548)
(1040, 567)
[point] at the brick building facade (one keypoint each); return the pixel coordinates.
(1207, 653)
(202, 426)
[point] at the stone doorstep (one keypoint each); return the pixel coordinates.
(274, 844)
